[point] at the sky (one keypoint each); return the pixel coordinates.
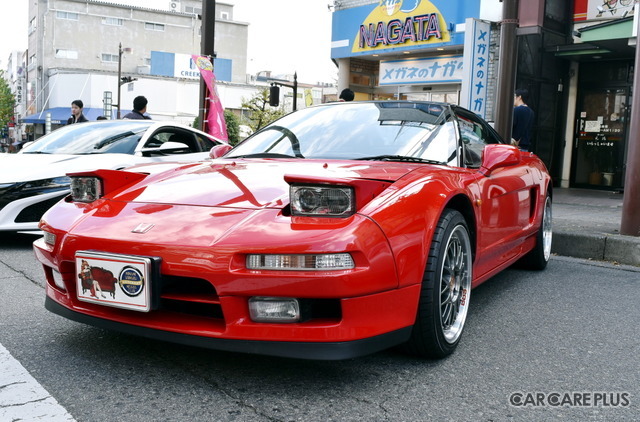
(285, 36)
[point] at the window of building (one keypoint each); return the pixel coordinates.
(67, 15)
(193, 10)
(150, 26)
(224, 16)
(109, 58)
(32, 25)
(66, 54)
(147, 61)
(112, 21)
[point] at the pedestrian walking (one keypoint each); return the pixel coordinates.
(139, 108)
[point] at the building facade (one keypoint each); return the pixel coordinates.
(602, 59)
(417, 50)
(82, 49)
(78, 48)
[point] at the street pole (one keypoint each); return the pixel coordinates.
(295, 91)
(119, 76)
(630, 222)
(207, 44)
(507, 69)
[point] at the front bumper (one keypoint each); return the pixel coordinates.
(24, 214)
(291, 349)
(361, 311)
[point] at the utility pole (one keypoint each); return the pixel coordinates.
(207, 40)
(630, 222)
(507, 68)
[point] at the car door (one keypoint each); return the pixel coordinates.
(504, 201)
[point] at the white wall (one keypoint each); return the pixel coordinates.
(491, 10)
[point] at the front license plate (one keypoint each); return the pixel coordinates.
(121, 281)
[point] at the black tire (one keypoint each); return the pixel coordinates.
(538, 257)
(446, 288)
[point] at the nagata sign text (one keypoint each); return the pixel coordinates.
(413, 29)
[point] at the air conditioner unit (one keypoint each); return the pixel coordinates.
(144, 70)
(174, 5)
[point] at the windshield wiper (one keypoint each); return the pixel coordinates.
(401, 158)
(36, 152)
(263, 155)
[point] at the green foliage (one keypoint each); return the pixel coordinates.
(7, 101)
(258, 111)
(233, 127)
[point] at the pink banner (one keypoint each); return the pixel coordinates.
(215, 124)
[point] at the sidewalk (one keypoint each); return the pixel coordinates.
(586, 224)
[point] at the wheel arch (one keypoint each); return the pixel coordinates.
(463, 205)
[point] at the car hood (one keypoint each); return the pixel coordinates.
(251, 184)
(243, 197)
(16, 168)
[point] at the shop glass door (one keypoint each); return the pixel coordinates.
(599, 145)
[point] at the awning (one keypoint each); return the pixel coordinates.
(60, 115)
(612, 40)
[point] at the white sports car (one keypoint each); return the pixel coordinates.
(34, 179)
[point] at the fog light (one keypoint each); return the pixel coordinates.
(274, 309)
(57, 279)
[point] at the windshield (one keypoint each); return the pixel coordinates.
(395, 131)
(90, 138)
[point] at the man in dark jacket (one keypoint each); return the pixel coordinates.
(139, 108)
(76, 112)
(523, 118)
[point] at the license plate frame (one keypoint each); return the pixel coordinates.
(116, 280)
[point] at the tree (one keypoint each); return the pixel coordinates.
(233, 127)
(259, 112)
(7, 102)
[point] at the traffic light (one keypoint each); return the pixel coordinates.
(274, 96)
(127, 79)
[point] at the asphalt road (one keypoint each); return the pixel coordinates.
(548, 342)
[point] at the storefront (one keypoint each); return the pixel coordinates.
(602, 126)
(416, 50)
(604, 89)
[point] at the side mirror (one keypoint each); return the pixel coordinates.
(496, 156)
(166, 148)
(219, 150)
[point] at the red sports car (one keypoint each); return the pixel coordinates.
(336, 231)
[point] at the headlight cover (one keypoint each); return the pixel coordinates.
(322, 201)
(86, 189)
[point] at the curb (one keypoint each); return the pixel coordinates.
(600, 247)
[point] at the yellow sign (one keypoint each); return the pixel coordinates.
(390, 26)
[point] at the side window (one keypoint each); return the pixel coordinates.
(474, 138)
(159, 138)
(205, 144)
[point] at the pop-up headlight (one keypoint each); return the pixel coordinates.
(322, 201)
(86, 189)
